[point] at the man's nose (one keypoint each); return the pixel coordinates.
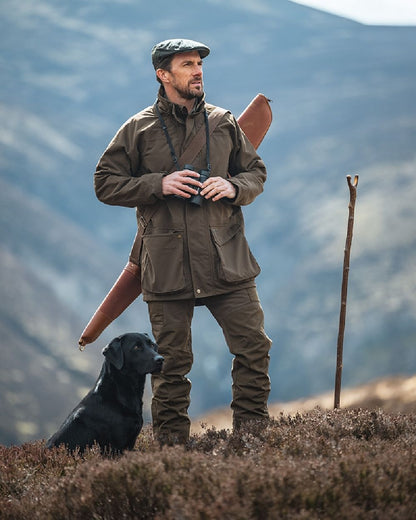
(197, 70)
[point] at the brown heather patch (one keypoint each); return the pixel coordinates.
(322, 464)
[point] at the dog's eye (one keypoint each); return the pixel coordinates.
(138, 348)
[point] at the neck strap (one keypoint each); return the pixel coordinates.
(169, 140)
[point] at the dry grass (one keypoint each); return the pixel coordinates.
(321, 464)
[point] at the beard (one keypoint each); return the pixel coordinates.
(190, 91)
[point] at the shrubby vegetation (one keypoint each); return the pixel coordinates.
(322, 464)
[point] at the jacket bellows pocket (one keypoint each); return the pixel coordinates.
(162, 263)
(236, 261)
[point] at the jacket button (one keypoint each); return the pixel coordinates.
(198, 291)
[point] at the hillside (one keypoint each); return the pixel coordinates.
(343, 102)
(391, 395)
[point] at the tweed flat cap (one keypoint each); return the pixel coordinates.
(168, 47)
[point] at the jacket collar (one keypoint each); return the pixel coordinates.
(178, 111)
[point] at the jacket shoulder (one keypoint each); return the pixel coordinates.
(226, 113)
(141, 120)
(144, 116)
(227, 118)
(146, 113)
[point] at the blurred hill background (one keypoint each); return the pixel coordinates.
(396, 394)
(344, 103)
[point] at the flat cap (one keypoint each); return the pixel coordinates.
(168, 47)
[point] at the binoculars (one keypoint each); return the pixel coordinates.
(203, 176)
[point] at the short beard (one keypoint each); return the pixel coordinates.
(187, 94)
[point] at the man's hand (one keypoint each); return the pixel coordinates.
(177, 183)
(217, 188)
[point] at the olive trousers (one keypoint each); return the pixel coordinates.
(241, 318)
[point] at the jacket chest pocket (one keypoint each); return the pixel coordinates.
(236, 261)
(162, 263)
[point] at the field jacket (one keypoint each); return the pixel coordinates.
(186, 251)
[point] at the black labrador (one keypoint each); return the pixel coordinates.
(111, 413)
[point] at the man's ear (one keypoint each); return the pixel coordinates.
(162, 74)
(114, 353)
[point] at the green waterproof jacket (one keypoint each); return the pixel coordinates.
(186, 251)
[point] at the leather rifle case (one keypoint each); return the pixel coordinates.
(255, 121)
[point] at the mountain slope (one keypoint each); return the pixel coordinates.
(39, 376)
(392, 395)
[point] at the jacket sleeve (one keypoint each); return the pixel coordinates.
(247, 170)
(116, 180)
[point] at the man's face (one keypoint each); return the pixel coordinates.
(185, 77)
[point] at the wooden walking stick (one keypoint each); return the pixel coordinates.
(351, 206)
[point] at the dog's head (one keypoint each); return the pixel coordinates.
(134, 352)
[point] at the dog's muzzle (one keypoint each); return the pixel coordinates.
(158, 362)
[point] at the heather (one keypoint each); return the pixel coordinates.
(320, 464)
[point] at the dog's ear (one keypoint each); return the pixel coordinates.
(114, 353)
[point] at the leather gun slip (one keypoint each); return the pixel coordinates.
(255, 121)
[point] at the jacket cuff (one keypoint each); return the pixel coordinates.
(235, 200)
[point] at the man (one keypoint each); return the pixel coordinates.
(191, 254)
